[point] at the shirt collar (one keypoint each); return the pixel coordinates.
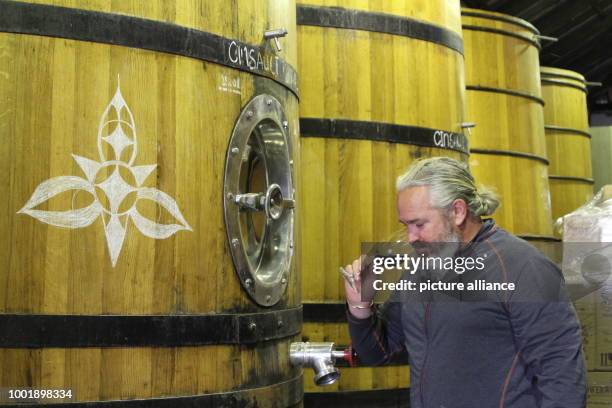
(486, 230)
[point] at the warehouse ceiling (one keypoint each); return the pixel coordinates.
(584, 30)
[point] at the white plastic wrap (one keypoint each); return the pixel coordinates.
(587, 244)
(590, 223)
(587, 267)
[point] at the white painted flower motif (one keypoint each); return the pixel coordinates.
(121, 134)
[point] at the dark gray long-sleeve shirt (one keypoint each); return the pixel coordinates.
(519, 350)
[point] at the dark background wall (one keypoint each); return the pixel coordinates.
(584, 30)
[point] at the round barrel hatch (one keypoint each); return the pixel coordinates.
(259, 201)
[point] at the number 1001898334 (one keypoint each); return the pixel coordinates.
(21, 395)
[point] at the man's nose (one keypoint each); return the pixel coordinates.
(413, 236)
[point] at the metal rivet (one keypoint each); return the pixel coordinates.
(249, 114)
(248, 282)
(230, 196)
(291, 244)
(269, 102)
(235, 242)
(235, 150)
(291, 162)
(285, 124)
(280, 323)
(268, 298)
(284, 280)
(252, 326)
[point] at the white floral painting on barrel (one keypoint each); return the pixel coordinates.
(117, 129)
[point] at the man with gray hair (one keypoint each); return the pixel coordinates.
(517, 349)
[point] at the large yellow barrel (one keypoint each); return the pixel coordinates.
(567, 139)
(601, 149)
(507, 146)
(134, 264)
(381, 85)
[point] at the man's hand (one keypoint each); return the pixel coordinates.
(359, 308)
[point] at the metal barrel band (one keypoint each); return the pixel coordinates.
(585, 180)
(380, 398)
(555, 82)
(327, 312)
(135, 32)
(383, 132)
(337, 17)
(547, 75)
(511, 153)
(71, 331)
(285, 394)
(567, 130)
(502, 32)
(503, 18)
(535, 237)
(510, 92)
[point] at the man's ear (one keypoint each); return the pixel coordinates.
(459, 211)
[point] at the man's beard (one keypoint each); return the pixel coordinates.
(447, 244)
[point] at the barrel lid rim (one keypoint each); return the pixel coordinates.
(562, 73)
(492, 15)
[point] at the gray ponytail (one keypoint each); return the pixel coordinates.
(449, 179)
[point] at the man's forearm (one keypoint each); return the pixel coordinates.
(374, 341)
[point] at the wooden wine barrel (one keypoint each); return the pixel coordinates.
(507, 146)
(601, 149)
(567, 139)
(132, 133)
(381, 85)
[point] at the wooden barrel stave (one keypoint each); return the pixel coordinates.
(510, 38)
(569, 154)
(567, 138)
(26, 276)
(349, 173)
(183, 123)
(246, 23)
(147, 373)
(568, 195)
(522, 179)
(381, 100)
(509, 123)
(504, 99)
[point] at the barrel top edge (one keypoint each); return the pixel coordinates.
(492, 15)
(562, 73)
